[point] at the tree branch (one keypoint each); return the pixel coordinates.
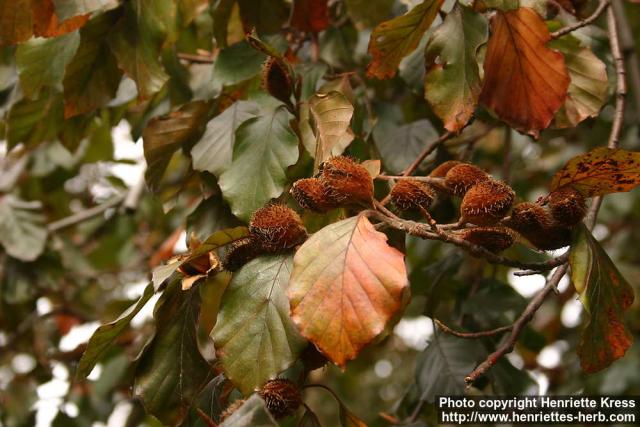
(84, 215)
(480, 334)
(604, 4)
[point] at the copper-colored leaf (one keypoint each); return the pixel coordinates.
(47, 24)
(525, 82)
(347, 283)
(310, 15)
(16, 21)
(394, 39)
(600, 171)
(605, 294)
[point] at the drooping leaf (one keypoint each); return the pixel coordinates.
(16, 21)
(452, 82)
(41, 62)
(213, 153)
(332, 113)
(22, 231)
(66, 9)
(399, 146)
(171, 371)
(347, 283)
(310, 15)
(265, 147)
(254, 337)
(136, 41)
(525, 82)
(606, 295)
(266, 16)
(394, 39)
(589, 84)
(600, 171)
(164, 135)
(252, 413)
(442, 367)
(92, 77)
(34, 121)
(106, 334)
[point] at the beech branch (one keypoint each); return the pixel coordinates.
(604, 4)
(480, 334)
(85, 214)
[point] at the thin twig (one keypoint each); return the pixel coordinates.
(427, 150)
(206, 418)
(480, 334)
(85, 214)
(197, 59)
(583, 23)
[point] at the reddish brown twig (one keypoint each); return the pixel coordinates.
(479, 334)
(604, 4)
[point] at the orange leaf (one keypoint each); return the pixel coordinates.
(16, 21)
(310, 15)
(600, 171)
(525, 82)
(46, 23)
(347, 283)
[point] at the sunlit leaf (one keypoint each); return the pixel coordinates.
(394, 39)
(22, 231)
(66, 9)
(347, 283)
(606, 295)
(600, 171)
(106, 334)
(252, 413)
(254, 337)
(452, 82)
(525, 82)
(332, 113)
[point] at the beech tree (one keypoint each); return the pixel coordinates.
(319, 175)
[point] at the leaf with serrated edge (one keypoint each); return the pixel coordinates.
(254, 337)
(332, 113)
(106, 334)
(452, 82)
(347, 283)
(600, 171)
(606, 295)
(525, 82)
(394, 39)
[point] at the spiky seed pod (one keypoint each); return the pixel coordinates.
(200, 265)
(486, 202)
(346, 181)
(312, 194)
(527, 217)
(277, 227)
(410, 194)
(550, 238)
(241, 252)
(231, 409)
(460, 178)
(494, 239)
(567, 205)
(276, 79)
(282, 397)
(441, 170)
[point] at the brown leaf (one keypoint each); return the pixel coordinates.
(310, 15)
(47, 24)
(600, 171)
(525, 82)
(347, 283)
(16, 21)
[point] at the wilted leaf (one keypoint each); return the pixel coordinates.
(600, 171)
(254, 337)
(171, 371)
(22, 231)
(265, 147)
(399, 146)
(266, 16)
(66, 9)
(252, 413)
(136, 41)
(394, 39)
(106, 334)
(92, 77)
(16, 21)
(606, 295)
(164, 135)
(452, 82)
(347, 283)
(310, 15)
(589, 84)
(41, 62)
(525, 82)
(213, 153)
(332, 113)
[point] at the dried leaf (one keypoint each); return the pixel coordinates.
(394, 39)
(347, 283)
(332, 113)
(525, 82)
(600, 171)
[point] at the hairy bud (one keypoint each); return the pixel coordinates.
(567, 205)
(312, 194)
(535, 223)
(441, 170)
(494, 239)
(486, 202)
(410, 194)
(276, 79)
(282, 397)
(277, 227)
(460, 178)
(347, 182)
(241, 252)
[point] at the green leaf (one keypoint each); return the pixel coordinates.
(399, 146)
(66, 9)
(164, 135)
(41, 62)
(106, 334)
(211, 215)
(369, 14)
(252, 413)
(442, 367)
(92, 77)
(237, 63)
(34, 121)
(452, 82)
(221, 11)
(254, 337)
(589, 85)
(394, 39)
(332, 113)
(171, 371)
(213, 153)
(22, 231)
(606, 295)
(266, 16)
(265, 147)
(136, 41)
